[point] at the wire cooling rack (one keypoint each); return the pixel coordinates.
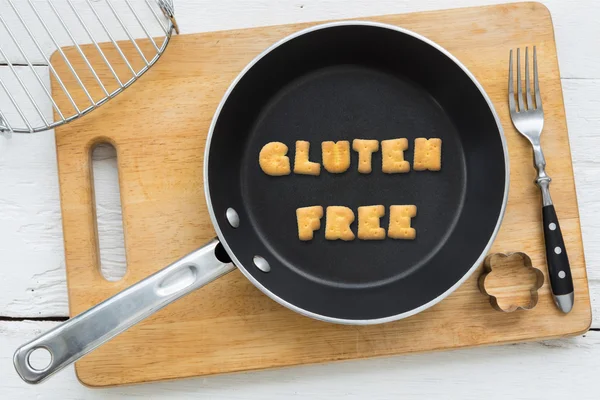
(36, 36)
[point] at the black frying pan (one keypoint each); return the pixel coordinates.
(340, 81)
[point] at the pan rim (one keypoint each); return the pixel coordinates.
(294, 307)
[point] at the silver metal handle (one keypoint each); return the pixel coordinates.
(542, 180)
(78, 336)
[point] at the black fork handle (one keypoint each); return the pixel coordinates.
(559, 268)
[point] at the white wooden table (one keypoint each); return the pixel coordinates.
(33, 295)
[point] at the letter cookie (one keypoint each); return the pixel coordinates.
(273, 160)
(428, 154)
(309, 220)
(368, 223)
(302, 165)
(400, 217)
(338, 223)
(336, 156)
(365, 150)
(392, 156)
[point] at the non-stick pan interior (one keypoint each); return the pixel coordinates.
(357, 82)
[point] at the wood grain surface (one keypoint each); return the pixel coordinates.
(159, 130)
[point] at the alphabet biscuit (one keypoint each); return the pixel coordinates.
(368, 223)
(338, 223)
(392, 156)
(428, 154)
(400, 217)
(365, 150)
(336, 156)
(273, 160)
(302, 165)
(309, 220)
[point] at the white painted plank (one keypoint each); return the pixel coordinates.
(10, 86)
(32, 273)
(30, 221)
(582, 106)
(548, 370)
(64, 13)
(31, 240)
(575, 29)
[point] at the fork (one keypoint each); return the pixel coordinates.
(528, 119)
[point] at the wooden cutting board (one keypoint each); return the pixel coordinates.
(159, 128)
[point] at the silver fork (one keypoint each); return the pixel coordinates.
(528, 119)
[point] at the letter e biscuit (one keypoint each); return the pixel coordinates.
(368, 223)
(392, 156)
(400, 218)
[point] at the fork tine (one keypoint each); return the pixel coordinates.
(511, 85)
(527, 83)
(519, 84)
(536, 85)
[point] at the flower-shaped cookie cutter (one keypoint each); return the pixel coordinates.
(488, 266)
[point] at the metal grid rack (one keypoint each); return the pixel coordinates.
(130, 33)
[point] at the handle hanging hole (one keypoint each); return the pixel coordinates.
(39, 359)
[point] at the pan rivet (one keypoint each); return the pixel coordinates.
(232, 217)
(261, 264)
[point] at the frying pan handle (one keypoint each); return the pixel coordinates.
(78, 336)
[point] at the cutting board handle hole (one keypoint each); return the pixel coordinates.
(108, 212)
